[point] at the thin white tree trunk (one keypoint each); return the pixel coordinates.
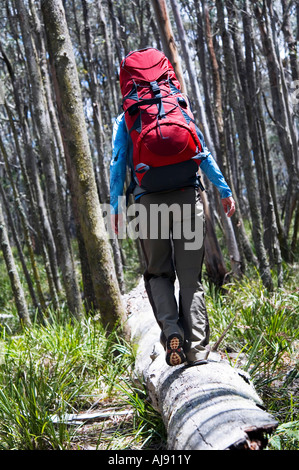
(16, 285)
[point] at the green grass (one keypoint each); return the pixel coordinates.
(264, 340)
(68, 368)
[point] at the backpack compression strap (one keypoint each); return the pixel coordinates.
(157, 100)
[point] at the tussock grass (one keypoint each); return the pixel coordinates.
(264, 341)
(61, 368)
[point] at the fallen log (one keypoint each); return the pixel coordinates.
(211, 406)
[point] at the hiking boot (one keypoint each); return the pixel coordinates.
(174, 351)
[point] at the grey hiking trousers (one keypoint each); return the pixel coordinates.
(172, 238)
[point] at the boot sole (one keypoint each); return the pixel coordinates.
(174, 351)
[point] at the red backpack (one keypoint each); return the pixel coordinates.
(166, 143)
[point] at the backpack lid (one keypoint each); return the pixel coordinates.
(142, 65)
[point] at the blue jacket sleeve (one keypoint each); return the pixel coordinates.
(118, 164)
(212, 171)
(210, 168)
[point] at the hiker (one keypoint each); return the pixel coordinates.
(157, 138)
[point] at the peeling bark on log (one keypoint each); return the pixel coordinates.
(207, 407)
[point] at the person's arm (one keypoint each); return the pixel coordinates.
(212, 171)
(118, 166)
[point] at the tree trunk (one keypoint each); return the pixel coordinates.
(280, 109)
(167, 38)
(233, 248)
(13, 273)
(237, 104)
(30, 175)
(249, 88)
(97, 119)
(41, 116)
(115, 29)
(200, 46)
(260, 122)
(212, 406)
(24, 223)
(108, 56)
(289, 39)
(18, 245)
(79, 165)
(195, 92)
(244, 246)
